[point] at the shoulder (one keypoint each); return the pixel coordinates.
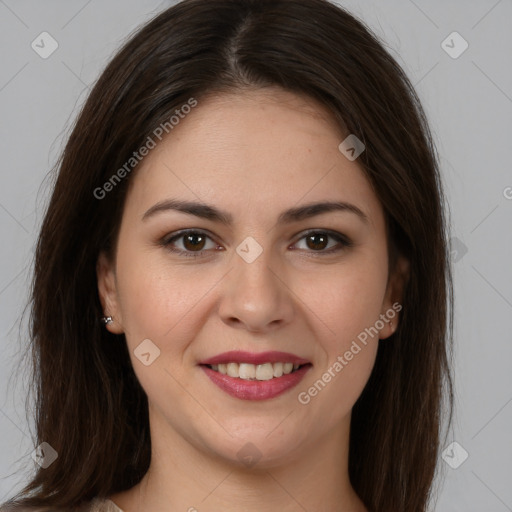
(102, 505)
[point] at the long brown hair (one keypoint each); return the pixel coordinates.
(89, 405)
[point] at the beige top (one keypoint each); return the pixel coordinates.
(99, 505)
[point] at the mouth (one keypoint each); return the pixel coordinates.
(250, 376)
(256, 372)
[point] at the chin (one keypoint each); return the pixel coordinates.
(255, 448)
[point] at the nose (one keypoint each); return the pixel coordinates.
(256, 296)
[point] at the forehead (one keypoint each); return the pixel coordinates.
(256, 148)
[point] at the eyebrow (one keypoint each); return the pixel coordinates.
(299, 213)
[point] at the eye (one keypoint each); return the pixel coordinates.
(193, 242)
(317, 241)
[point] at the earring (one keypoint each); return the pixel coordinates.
(107, 320)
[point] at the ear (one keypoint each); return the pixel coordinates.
(107, 290)
(394, 296)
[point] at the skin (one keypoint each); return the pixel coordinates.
(253, 154)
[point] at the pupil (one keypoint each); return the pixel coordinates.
(322, 237)
(189, 238)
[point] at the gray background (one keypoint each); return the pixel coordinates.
(469, 103)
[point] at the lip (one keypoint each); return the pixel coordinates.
(239, 356)
(255, 389)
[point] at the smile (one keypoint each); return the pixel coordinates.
(261, 372)
(263, 386)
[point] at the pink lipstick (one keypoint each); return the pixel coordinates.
(265, 375)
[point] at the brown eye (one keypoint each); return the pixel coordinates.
(318, 241)
(192, 243)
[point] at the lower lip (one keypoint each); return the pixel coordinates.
(256, 389)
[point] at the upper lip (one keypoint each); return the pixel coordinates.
(239, 356)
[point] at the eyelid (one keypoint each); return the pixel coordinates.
(342, 240)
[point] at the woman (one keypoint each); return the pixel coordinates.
(242, 293)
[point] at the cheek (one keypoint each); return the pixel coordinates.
(155, 306)
(347, 304)
(153, 300)
(349, 345)
(346, 300)
(339, 385)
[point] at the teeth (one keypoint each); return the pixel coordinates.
(233, 369)
(278, 369)
(248, 371)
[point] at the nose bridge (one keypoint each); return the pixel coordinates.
(253, 269)
(254, 294)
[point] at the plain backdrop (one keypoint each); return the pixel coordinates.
(468, 99)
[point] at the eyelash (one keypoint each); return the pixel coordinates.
(341, 239)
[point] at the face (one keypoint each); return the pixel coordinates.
(251, 279)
